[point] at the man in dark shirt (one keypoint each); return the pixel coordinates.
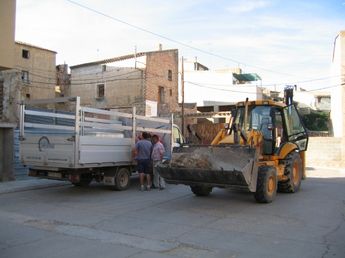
(143, 150)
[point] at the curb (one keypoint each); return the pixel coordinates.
(26, 185)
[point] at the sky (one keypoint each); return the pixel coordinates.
(284, 42)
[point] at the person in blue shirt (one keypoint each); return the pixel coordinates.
(142, 152)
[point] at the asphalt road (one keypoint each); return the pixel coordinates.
(66, 221)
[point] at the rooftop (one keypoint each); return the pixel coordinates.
(120, 58)
(33, 46)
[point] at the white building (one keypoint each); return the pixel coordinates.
(204, 86)
(338, 93)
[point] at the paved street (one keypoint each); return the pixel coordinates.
(65, 221)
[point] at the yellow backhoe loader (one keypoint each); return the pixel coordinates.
(262, 149)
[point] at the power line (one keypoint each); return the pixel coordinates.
(327, 87)
(213, 88)
(173, 40)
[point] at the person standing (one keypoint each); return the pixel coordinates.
(142, 154)
(157, 156)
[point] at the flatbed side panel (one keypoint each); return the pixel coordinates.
(47, 150)
(93, 149)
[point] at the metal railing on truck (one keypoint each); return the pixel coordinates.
(85, 125)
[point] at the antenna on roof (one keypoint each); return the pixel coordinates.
(135, 57)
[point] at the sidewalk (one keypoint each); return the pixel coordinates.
(29, 184)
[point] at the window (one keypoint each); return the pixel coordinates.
(28, 96)
(25, 77)
(161, 95)
(25, 54)
(170, 93)
(104, 68)
(100, 91)
(169, 75)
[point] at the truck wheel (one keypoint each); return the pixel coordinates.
(293, 171)
(200, 190)
(85, 180)
(266, 185)
(122, 179)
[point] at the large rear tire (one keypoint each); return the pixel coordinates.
(200, 190)
(122, 179)
(294, 172)
(266, 186)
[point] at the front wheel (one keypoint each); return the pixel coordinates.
(293, 172)
(122, 179)
(200, 190)
(266, 185)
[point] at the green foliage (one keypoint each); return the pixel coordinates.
(316, 121)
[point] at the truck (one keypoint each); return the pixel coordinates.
(84, 143)
(262, 150)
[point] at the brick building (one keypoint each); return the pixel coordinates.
(147, 80)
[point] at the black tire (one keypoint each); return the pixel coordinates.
(85, 180)
(266, 185)
(122, 179)
(294, 172)
(200, 190)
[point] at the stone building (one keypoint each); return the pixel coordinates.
(38, 71)
(147, 80)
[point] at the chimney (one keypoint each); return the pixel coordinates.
(160, 47)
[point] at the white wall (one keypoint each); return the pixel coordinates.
(203, 86)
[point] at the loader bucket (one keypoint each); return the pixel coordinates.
(219, 166)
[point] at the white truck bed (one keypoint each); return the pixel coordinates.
(86, 138)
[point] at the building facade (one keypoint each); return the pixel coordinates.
(204, 86)
(147, 80)
(37, 66)
(7, 32)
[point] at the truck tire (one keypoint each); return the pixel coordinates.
(200, 190)
(122, 179)
(293, 171)
(85, 180)
(266, 185)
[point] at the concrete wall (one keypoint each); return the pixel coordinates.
(7, 32)
(11, 92)
(41, 65)
(325, 151)
(156, 73)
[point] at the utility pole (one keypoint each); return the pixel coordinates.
(182, 89)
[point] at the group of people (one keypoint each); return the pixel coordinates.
(148, 152)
